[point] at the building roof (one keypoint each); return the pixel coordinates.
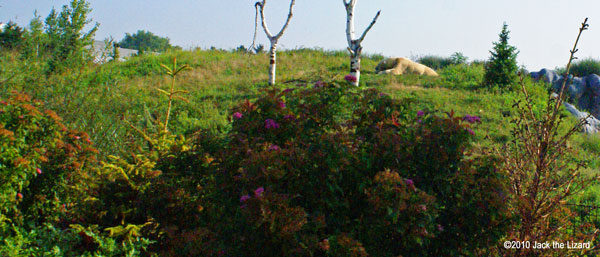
(102, 53)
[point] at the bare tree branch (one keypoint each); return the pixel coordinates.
(369, 27)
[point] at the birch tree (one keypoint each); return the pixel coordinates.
(273, 38)
(354, 46)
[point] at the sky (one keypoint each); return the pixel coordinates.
(542, 30)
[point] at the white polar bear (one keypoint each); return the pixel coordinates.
(400, 66)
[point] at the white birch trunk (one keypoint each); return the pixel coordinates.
(272, 62)
(273, 39)
(355, 67)
(354, 46)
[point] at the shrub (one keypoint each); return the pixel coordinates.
(41, 162)
(584, 67)
(501, 69)
(329, 170)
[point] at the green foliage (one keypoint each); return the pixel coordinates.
(438, 62)
(41, 162)
(584, 67)
(461, 76)
(327, 162)
(11, 36)
(145, 41)
(501, 69)
(67, 42)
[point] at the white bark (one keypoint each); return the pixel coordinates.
(273, 38)
(354, 45)
(272, 62)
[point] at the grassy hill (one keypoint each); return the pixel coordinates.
(97, 98)
(102, 99)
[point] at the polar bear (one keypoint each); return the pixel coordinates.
(400, 66)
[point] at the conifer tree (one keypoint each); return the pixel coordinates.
(501, 69)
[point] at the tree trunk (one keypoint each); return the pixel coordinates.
(272, 62)
(354, 46)
(355, 68)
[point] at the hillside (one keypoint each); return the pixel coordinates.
(244, 164)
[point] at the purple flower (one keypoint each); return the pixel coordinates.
(259, 191)
(440, 227)
(274, 148)
(244, 198)
(423, 207)
(271, 124)
(471, 131)
(288, 90)
(409, 182)
(471, 119)
(319, 84)
(237, 115)
(381, 94)
(350, 78)
(420, 113)
(281, 105)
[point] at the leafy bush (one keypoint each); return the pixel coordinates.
(438, 62)
(145, 41)
(40, 163)
(461, 76)
(330, 170)
(584, 67)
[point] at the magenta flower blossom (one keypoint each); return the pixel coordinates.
(350, 78)
(274, 148)
(287, 90)
(38, 171)
(271, 124)
(409, 182)
(319, 84)
(420, 113)
(423, 207)
(244, 198)
(471, 131)
(440, 227)
(259, 191)
(471, 119)
(237, 115)
(281, 105)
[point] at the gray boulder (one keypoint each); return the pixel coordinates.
(584, 92)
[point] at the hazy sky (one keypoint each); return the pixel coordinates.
(543, 30)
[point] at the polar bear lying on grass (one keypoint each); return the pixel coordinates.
(400, 66)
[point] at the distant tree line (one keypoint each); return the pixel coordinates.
(146, 41)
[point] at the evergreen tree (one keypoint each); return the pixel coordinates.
(11, 36)
(501, 69)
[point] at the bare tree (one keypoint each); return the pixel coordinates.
(354, 44)
(273, 38)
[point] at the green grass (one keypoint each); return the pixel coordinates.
(97, 98)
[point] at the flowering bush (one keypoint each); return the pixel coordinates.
(40, 162)
(338, 168)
